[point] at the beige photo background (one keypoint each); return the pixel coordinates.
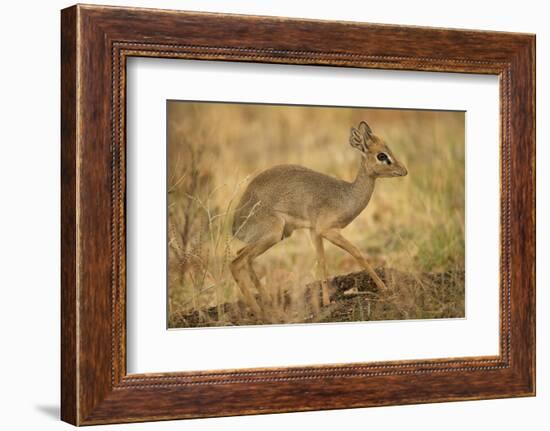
(413, 224)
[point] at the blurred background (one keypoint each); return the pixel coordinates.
(414, 225)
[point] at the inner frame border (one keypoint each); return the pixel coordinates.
(122, 50)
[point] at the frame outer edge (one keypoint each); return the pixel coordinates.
(532, 84)
(533, 54)
(88, 397)
(523, 216)
(529, 62)
(523, 208)
(69, 195)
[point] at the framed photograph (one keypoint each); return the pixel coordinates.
(263, 214)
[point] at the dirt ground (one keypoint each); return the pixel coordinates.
(354, 297)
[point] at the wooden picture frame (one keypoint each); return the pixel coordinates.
(95, 43)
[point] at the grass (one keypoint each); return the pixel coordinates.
(413, 224)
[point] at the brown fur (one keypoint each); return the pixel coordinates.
(284, 198)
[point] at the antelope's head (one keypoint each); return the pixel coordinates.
(379, 159)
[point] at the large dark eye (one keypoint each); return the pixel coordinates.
(383, 157)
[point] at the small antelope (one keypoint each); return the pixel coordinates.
(288, 197)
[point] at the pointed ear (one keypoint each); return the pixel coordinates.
(357, 140)
(365, 130)
(360, 137)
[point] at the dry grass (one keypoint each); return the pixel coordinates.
(414, 224)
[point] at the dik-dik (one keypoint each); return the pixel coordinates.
(284, 198)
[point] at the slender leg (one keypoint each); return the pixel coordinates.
(242, 264)
(264, 294)
(321, 261)
(243, 283)
(335, 237)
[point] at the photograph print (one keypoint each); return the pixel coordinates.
(291, 214)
